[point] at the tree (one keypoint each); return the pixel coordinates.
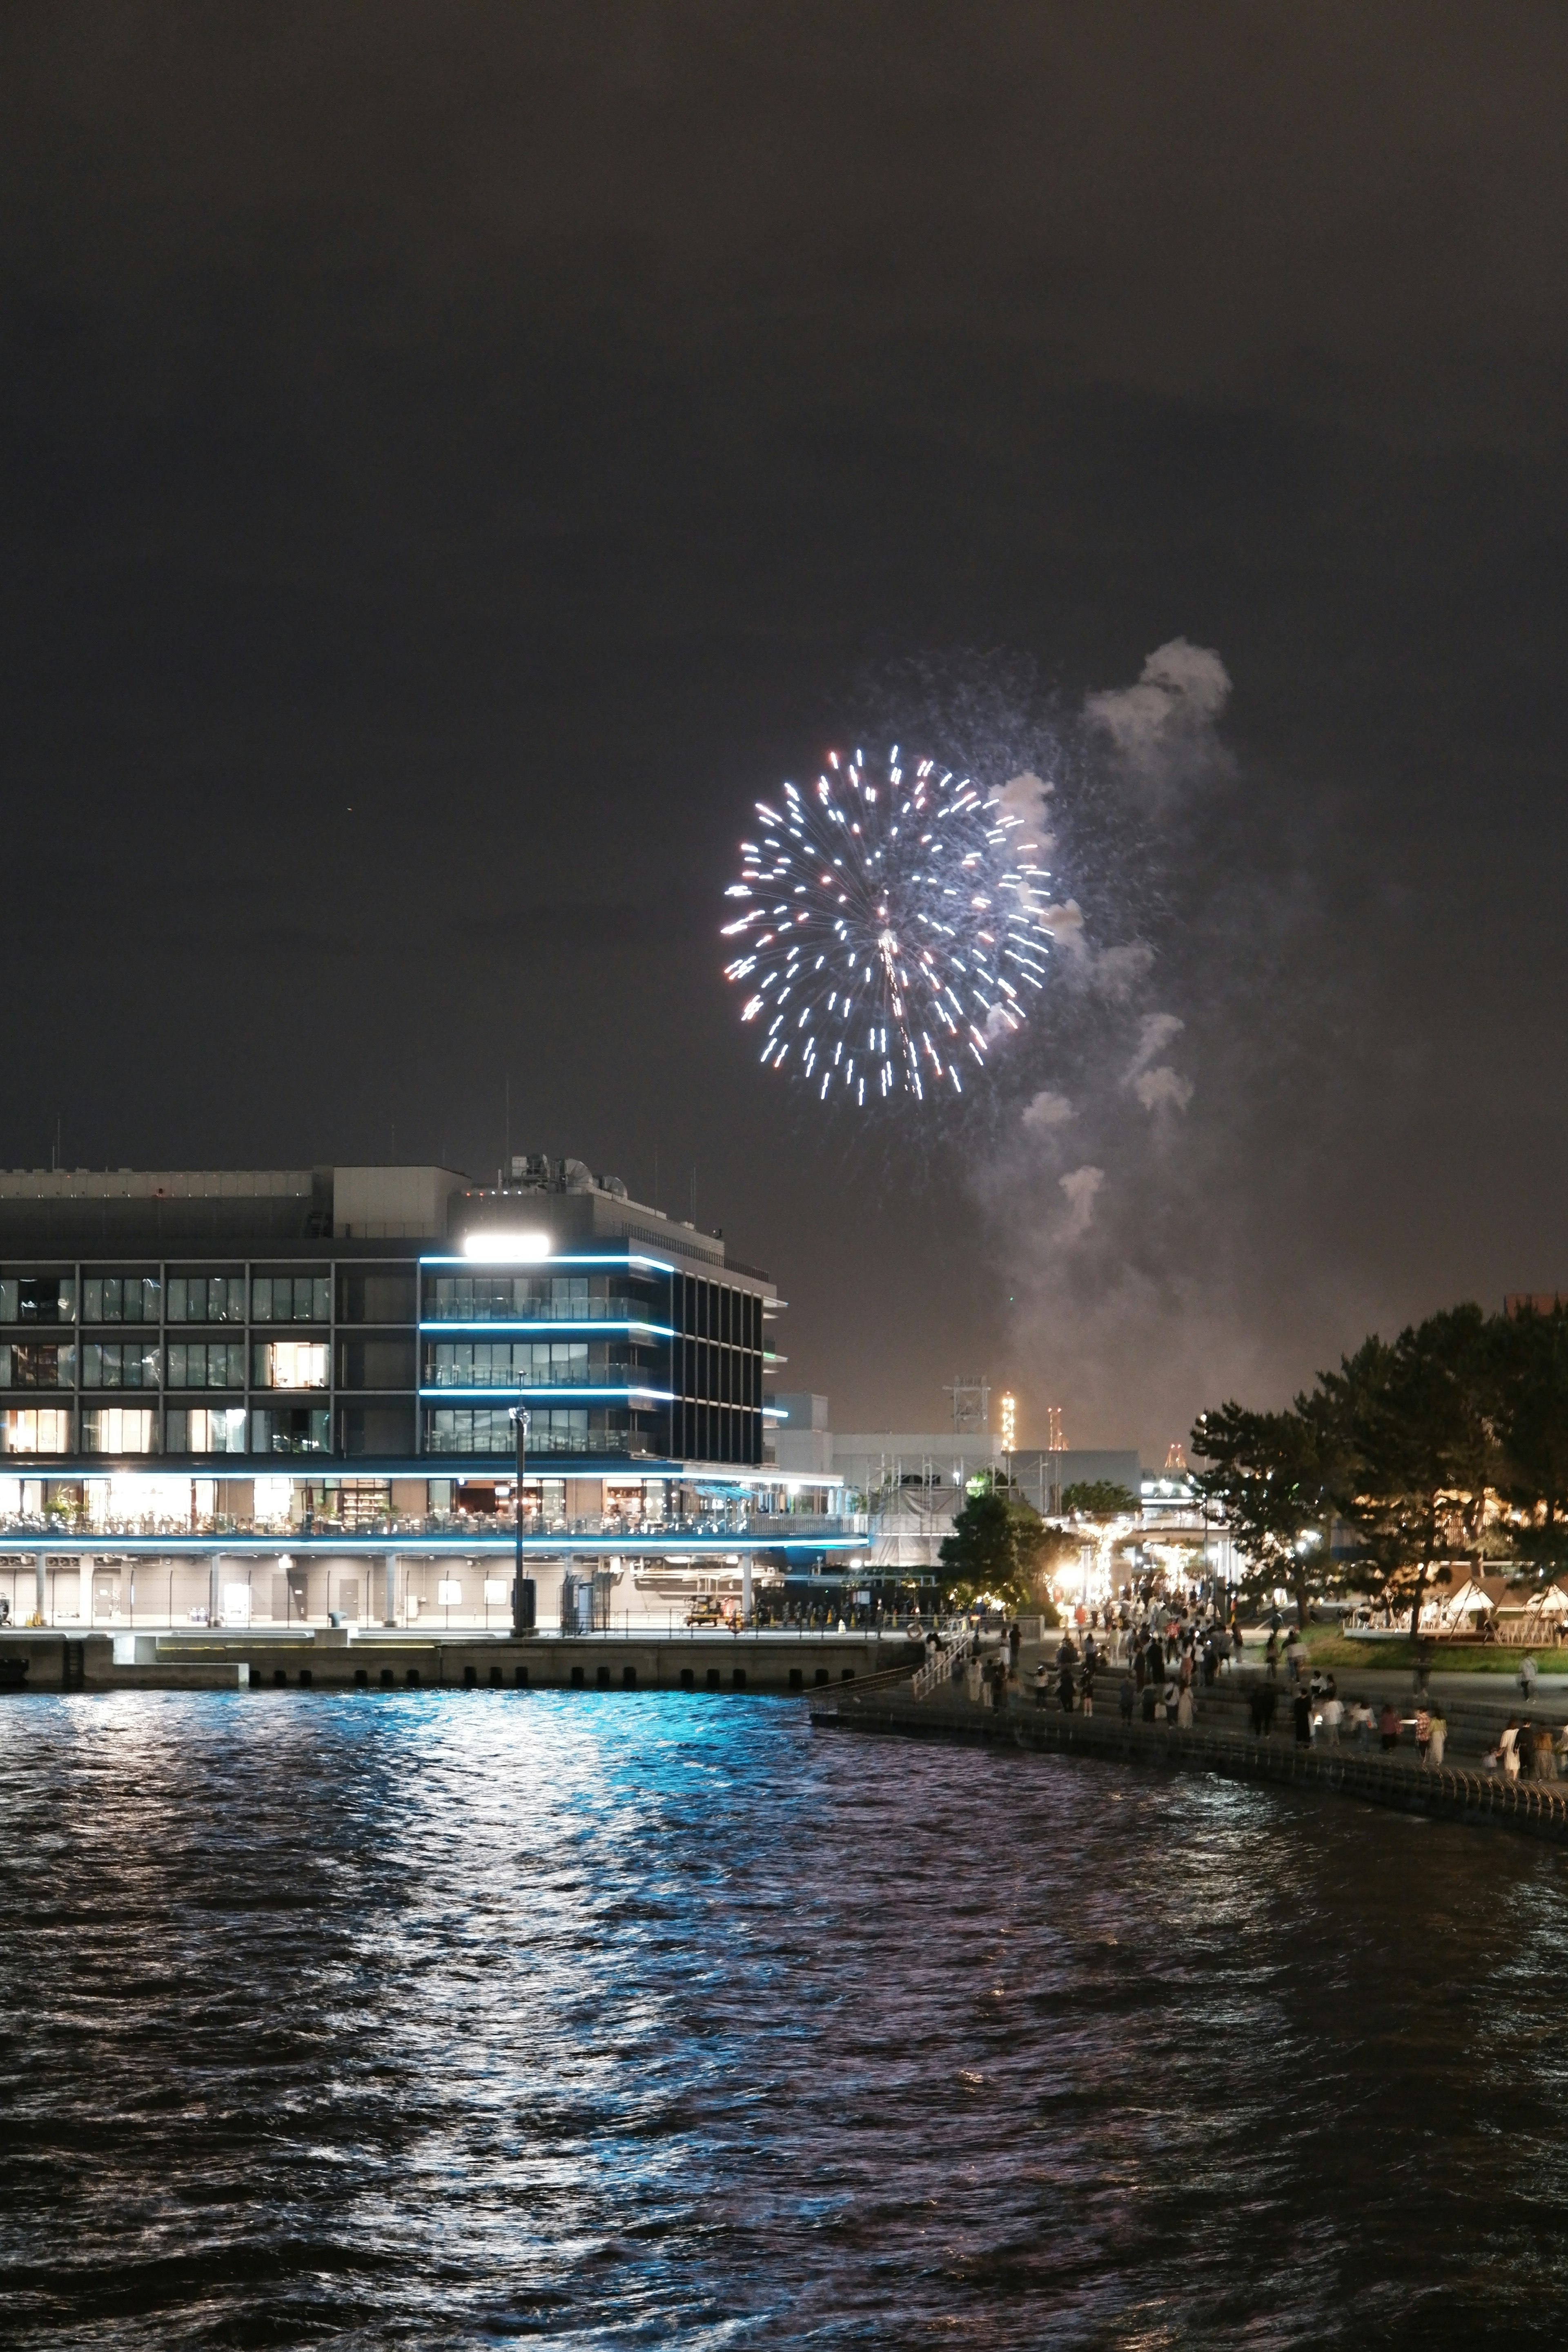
(1531, 1368)
(999, 1544)
(1419, 1419)
(1098, 1498)
(1273, 1473)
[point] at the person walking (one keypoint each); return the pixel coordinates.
(1508, 1750)
(1271, 1655)
(1437, 1737)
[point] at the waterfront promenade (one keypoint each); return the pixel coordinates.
(1221, 1742)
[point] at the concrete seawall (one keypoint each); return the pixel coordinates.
(337, 1659)
(1537, 1808)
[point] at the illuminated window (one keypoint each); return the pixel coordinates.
(47, 1431)
(289, 1364)
(118, 1429)
(204, 1429)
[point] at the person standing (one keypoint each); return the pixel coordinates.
(1527, 1673)
(1302, 1707)
(1437, 1736)
(1388, 1727)
(1331, 1716)
(1423, 1734)
(1085, 1677)
(1184, 1708)
(1124, 1698)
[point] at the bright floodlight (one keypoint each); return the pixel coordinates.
(507, 1249)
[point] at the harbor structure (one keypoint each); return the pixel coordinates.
(287, 1396)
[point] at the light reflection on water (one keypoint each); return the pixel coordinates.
(458, 2019)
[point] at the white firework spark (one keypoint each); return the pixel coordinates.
(894, 929)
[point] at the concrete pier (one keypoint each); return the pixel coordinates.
(772, 1662)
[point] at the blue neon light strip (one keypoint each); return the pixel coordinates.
(555, 1396)
(547, 1547)
(557, 1325)
(495, 1265)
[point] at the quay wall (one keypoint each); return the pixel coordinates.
(1536, 1808)
(733, 1664)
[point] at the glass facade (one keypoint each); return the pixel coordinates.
(36, 1364)
(204, 1429)
(206, 1363)
(120, 1363)
(397, 1358)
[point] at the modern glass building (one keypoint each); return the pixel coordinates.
(332, 1352)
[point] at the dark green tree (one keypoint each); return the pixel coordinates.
(1273, 1475)
(1098, 1498)
(998, 1545)
(1419, 1421)
(1531, 1359)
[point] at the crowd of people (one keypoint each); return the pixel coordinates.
(1166, 1658)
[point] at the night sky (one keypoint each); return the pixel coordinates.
(455, 457)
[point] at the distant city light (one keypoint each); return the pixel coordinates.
(1009, 1423)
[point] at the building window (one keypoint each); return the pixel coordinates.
(553, 1429)
(37, 1367)
(286, 1430)
(206, 1364)
(288, 1364)
(119, 1428)
(46, 1431)
(537, 1298)
(207, 1298)
(37, 1299)
(292, 1298)
(119, 1364)
(119, 1297)
(204, 1429)
(519, 1364)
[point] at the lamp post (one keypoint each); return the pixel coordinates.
(522, 1592)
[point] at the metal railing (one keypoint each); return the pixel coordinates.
(938, 1669)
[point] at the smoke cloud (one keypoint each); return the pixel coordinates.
(1163, 731)
(1146, 1195)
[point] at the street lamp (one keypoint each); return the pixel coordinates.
(522, 1592)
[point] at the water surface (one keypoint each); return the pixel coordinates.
(468, 2019)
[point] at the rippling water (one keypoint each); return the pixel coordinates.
(459, 2019)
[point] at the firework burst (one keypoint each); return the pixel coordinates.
(895, 929)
